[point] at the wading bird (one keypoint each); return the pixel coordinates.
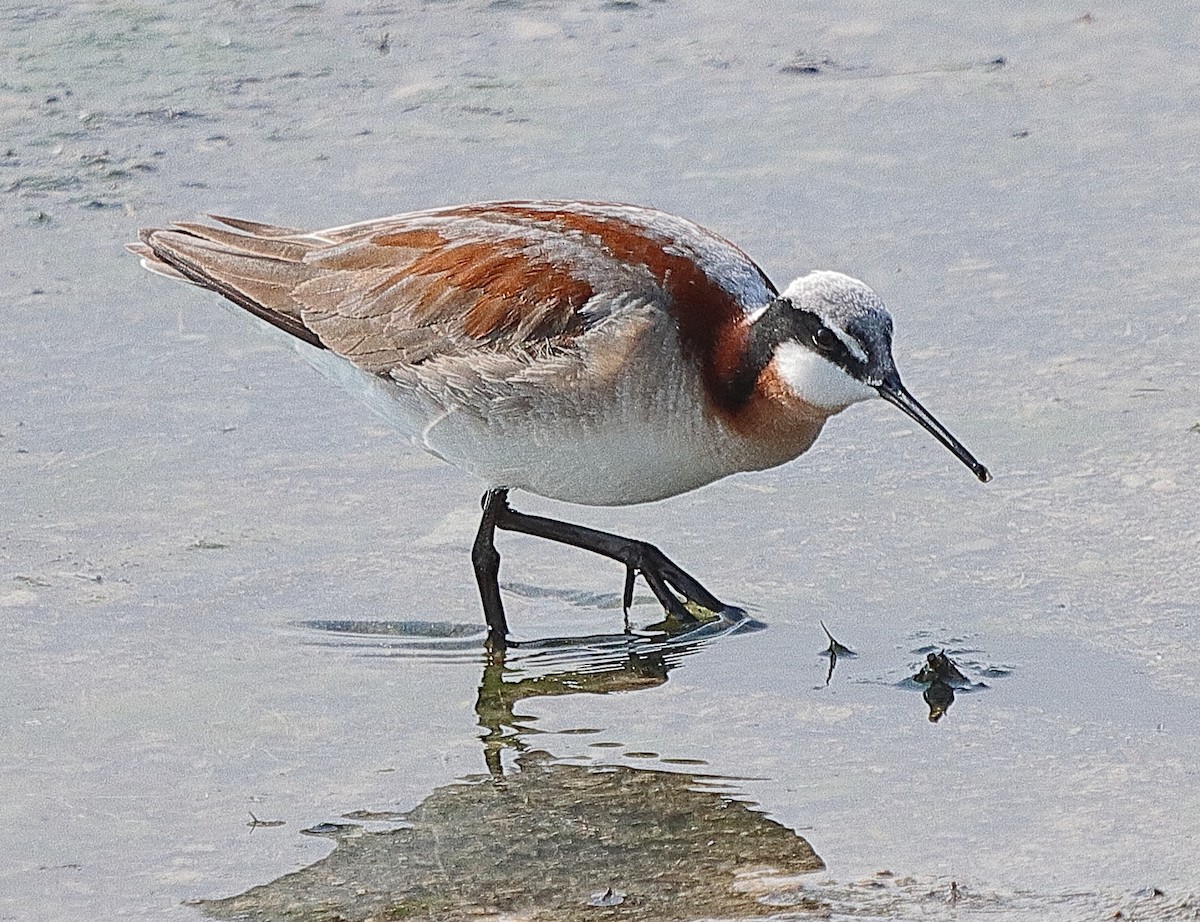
(596, 353)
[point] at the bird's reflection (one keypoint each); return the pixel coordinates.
(598, 664)
(541, 838)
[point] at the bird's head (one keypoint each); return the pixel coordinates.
(832, 346)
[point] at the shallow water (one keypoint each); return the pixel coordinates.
(192, 522)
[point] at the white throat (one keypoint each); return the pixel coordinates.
(816, 380)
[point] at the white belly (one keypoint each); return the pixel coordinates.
(607, 461)
(567, 431)
(611, 456)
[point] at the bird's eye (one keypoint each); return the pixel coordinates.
(825, 339)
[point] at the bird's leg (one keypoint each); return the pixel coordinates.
(663, 575)
(486, 559)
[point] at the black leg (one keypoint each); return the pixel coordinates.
(486, 559)
(664, 577)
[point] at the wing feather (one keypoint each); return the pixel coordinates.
(515, 278)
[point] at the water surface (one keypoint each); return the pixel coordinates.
(187, 509)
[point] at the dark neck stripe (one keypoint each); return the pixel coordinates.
(781, 322)
(773, 327)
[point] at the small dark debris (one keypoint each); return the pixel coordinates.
(833, 651)
(1086, 19)
(806, 64)
(836, 648)
(1021, 133)
(207, 544)
(170, 115)
(940, 668)
(326, 829)
(940, 676)
(385, 45)
(996, 63)
(256, 823)
(609, 897)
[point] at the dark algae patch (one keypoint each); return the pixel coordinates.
(551, 841)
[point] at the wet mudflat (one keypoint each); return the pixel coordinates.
(233, 600)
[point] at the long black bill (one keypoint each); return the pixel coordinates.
(897, 394)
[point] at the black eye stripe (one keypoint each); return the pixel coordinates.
(814, 334)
